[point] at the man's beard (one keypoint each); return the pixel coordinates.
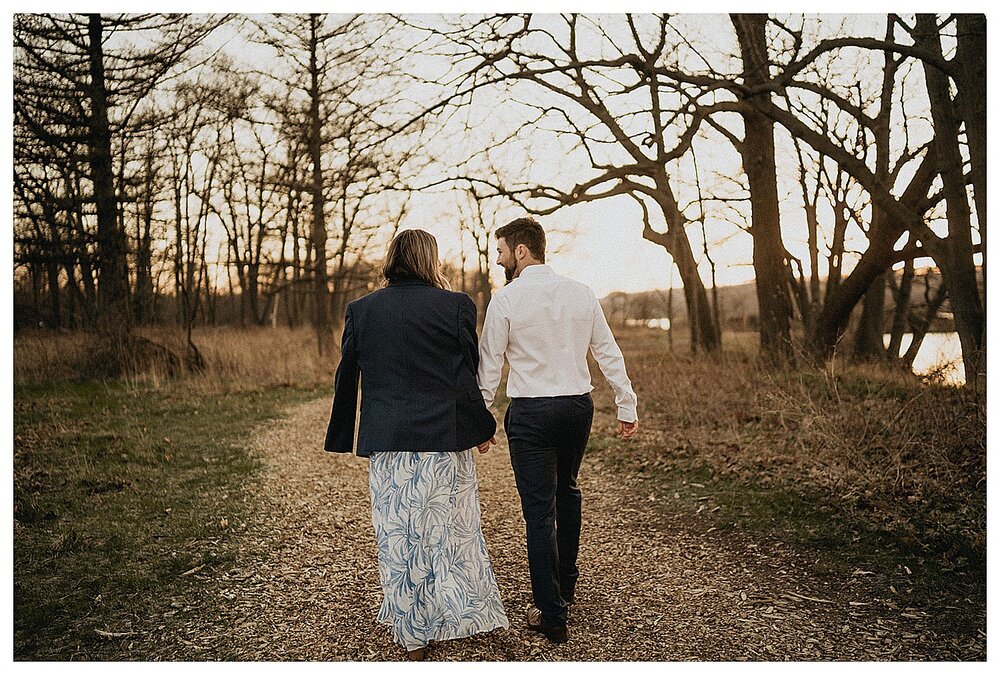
(509, 272)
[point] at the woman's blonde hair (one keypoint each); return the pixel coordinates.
(413, 254)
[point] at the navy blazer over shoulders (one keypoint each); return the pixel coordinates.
(416, 351)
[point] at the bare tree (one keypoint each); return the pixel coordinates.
(248, 201)
(202, 111)
(81, 80)
(954, 251)
(770, 260)
(905, 210)
(579, 74)
(330, 103)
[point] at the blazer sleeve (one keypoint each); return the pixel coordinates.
(340, 432)
(468, 340)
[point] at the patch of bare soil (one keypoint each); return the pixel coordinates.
(652, 587)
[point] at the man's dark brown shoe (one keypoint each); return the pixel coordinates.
(557, 634)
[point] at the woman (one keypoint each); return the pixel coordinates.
(414, 344)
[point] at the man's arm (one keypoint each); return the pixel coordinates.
(492, 345)
(609, 357)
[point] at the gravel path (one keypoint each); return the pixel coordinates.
(652, 587)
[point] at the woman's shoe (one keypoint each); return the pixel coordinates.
(417, 654)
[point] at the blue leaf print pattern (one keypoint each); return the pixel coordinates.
(437, 580)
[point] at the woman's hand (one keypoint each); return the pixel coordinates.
(484, 447)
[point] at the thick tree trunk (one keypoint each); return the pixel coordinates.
(833, 318)
(970, 58)
(835, 261)
(971, 61)
(704, 332)
(958, 268)
(769, 255)
(868, 341)
(115, 324)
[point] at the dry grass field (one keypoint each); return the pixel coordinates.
(236, 358)
(863, 467)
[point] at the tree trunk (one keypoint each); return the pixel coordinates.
(958, 268)
(704, 331)
(920, 326)
(55, 313)
(321, 291)
(769, 255)
(970, 58)
(144, 256)
(835, 261)
(868, 341)
(832, 319)
(901, 311)
(115, 323)
(52, 264)
(253, 293)
(670, 311)
(35, 272)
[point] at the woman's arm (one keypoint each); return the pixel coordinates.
(340, 432)
(467, 337)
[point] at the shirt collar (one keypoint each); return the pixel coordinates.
(535, 270)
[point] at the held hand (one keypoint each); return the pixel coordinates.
(626, 430)
(484, 447)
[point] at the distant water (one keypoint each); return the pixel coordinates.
(663, 324)
(939, 352)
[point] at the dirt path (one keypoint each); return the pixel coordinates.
(652, 587)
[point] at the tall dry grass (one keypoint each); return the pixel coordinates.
(235, 358)
(906, 453)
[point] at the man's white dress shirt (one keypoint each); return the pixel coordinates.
(545, 323)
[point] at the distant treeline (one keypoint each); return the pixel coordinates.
(738, 305)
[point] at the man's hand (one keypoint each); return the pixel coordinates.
(626, 430)
(484, 447)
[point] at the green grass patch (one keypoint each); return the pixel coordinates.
(118, 492)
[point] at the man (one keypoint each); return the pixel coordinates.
(544, 323)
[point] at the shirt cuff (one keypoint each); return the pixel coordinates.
(627, 415)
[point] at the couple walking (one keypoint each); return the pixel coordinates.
(426, 384)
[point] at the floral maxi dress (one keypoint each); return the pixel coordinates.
(437, 580)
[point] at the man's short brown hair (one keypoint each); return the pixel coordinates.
(525, 231)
